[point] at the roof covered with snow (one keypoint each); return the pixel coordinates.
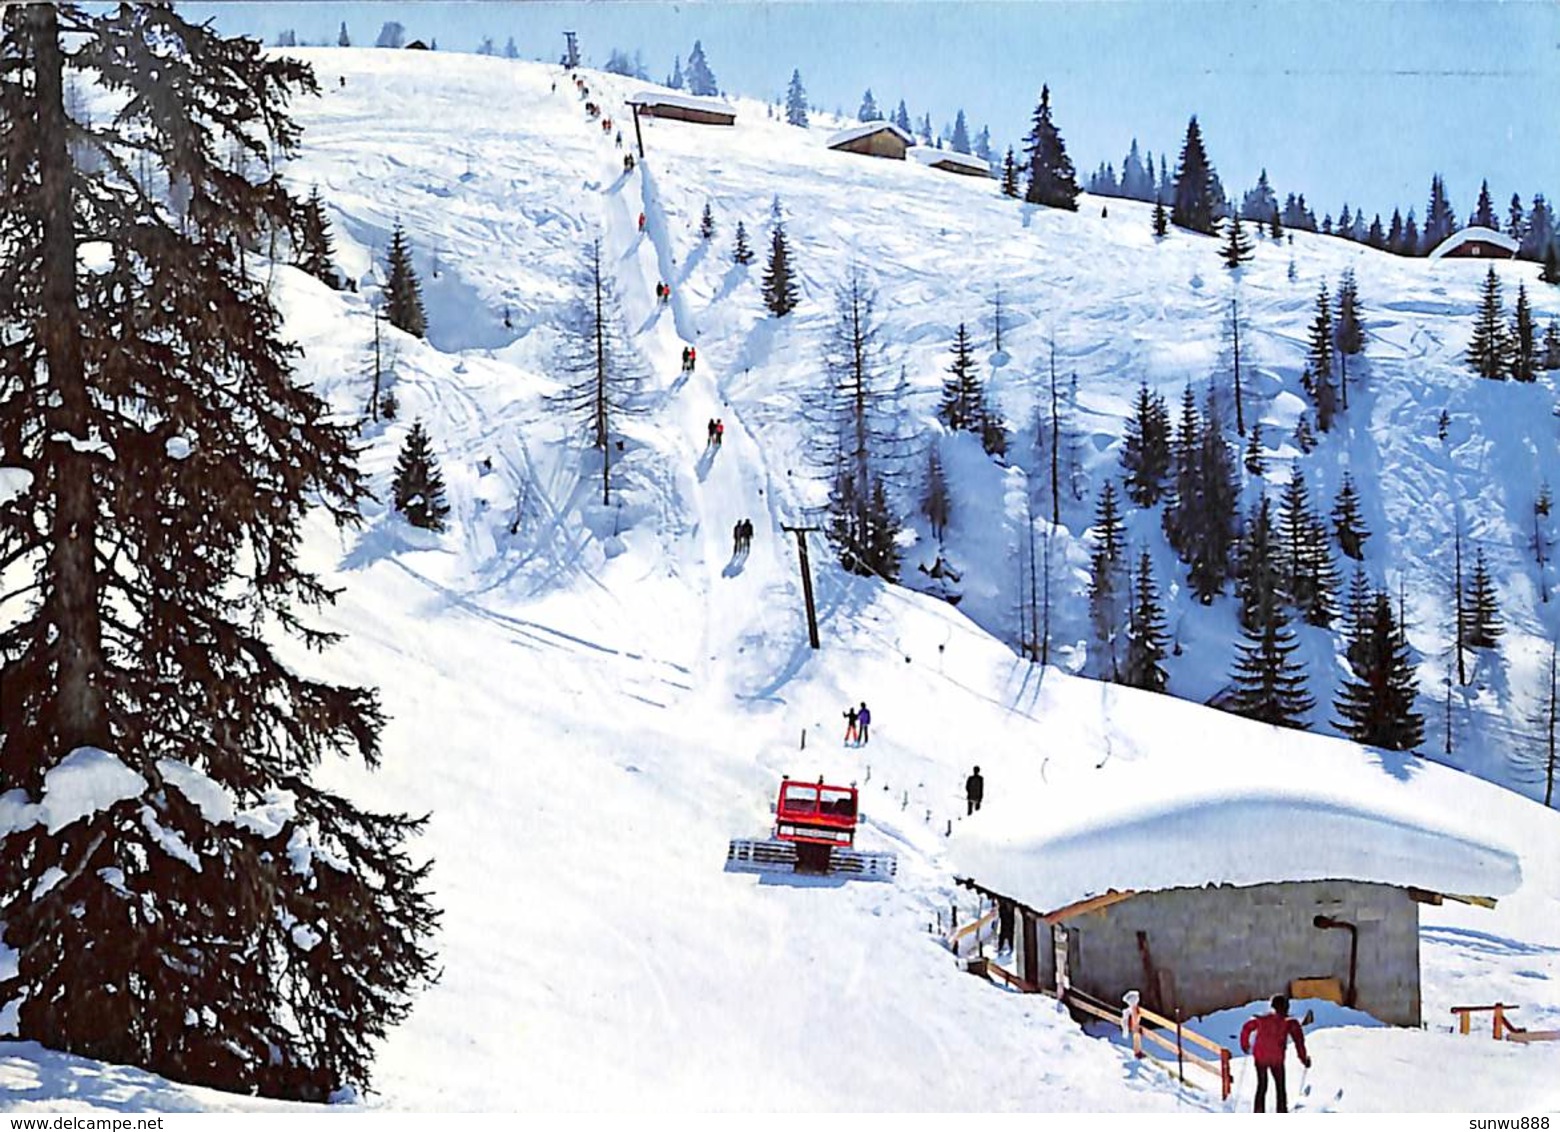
(686, 101)
(1469, 235)
(929, 155)
(1239, 837)
(867, 129)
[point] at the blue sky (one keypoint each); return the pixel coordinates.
(1344, 101)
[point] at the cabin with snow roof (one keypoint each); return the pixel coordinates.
(951, 161)
(683, 107)
(873, 139)
(1218, 902)
(1476, 243)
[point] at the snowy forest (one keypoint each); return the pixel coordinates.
(421, 547)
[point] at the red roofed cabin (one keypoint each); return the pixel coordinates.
(1476, 243)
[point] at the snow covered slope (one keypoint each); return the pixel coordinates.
(590, 701)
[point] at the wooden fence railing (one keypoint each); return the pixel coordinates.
(1142, 1025)
(1501, 1027)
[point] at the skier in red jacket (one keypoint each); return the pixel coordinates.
(1272, 1032)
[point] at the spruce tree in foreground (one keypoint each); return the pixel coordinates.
(1145, 451)
(1052, 180)
(1347, 522)
(1010, 175)
(1146, 639)
(1481, 617)
(1523, 340)
(418, 487)
(1237, 248)
(216, 917)
(1487, 352)
(1269, 684)
(1376, 706)
(315, 245)
(742, 253)
(779, 287)
(963, 398)
(1195, 205)
(403, 293)
(707, 223)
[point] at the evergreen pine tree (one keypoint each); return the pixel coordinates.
(1258, 571)
(1309, 578)
(960, 142)
(258, 956)
(1145, 451)
(1357, 606)
(993, 433)
(796, 101)
(1411, 237)
(982, 147)
(1052, 181)
(511, 48)
(1213, 517)
(1237, 245)
(1106, 583)
(700, 79)
(936, 502)
(1010, 175)
(315, 244)
(1552, 345)
(1376, 707)
(1484, 211)
(1482, 618)
(1487, 350)
(1319, 349)
(1395, 234)
(779, 288)
(1276, 231)
(1551, 272)
(707, 223)
(1256, 457)
(962, 393)
(869, 108)
(742, 254)
(1440, 220)
(418, 486)
(1347, 522)
(675, 80)
(1269, 684)
(1146, 638)
(403, 293)
(1349, 332)
(1377, 236)
(342, 38)
(902, 117)
(1194, 205)
(1523, 343)
(1305, 439)
(1161, 220)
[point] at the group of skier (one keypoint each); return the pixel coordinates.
(716, 432)
(663, 293)
(690, 358)
(742, 537)
(858, 722)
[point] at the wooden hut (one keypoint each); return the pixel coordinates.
(683, 108)
(873, 139)
(1476, 243)
(949, 161)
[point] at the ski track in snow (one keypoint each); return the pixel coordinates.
(588, 715)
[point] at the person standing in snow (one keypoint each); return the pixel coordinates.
(747, 534)
(693, 357)
(720, 431)
(1272, 1032)
(641, 222)
(685, 359)
(974, 791)
(864, 717)
(851, 733)
(710, 432)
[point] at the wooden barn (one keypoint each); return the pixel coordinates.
(873, 139)
(683, 108)
(1476, 243)
(949, 161)
(1216, 903)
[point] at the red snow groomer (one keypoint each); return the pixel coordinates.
(815, 832)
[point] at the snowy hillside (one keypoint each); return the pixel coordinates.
(590, 700)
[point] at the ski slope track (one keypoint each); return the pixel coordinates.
(590, 700)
